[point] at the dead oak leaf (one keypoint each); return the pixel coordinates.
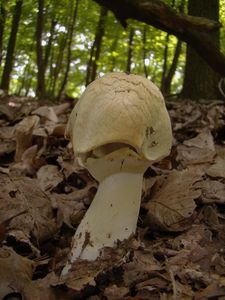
(16, 278)
(71, 207)
(138, 269)
(198, 150)
(23, 194)
(172, 200)
(15, 273)
(23, 135)
(212, 191)
(217, 169)
(49, 177)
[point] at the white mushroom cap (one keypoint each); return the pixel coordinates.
(121, 109)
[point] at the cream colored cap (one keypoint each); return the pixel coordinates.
(121, 108)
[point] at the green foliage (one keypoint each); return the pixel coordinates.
(114, 50)
(222, 20)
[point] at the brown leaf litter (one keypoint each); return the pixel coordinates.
(178, 251)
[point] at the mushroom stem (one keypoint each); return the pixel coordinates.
(112, 216)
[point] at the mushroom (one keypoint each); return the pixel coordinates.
(118, 128)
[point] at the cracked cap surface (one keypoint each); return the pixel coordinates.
(121, 108)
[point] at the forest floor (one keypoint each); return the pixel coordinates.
(179, 249)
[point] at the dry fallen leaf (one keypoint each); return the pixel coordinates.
(71, 207)
(172, 200)
(16, 278)
(49, 177)
(47, 113)
(23, 135)
(15, 273)
(218, 168)
(18, 195)
(140, 267)
(212, 191)
(30, 162)
(162, 265)
(115, 292)
(198, 150)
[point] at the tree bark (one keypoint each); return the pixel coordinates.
(190, 29)
(2, 26)
(130, 50)
(11, 46)
(49, 45)
(58, 65)
(165, 61)
(70, 38)
(27, 75)
(200, 80)
(96, 47)
(40, 91)
(113, 48)
(144, 51)
(169, 77)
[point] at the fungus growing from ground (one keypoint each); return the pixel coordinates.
(118, 128)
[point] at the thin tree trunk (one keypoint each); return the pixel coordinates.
(49, 45)
(167, 75)
(22, 85)
(112, 49)
(144, 52)
(28, 85)
(2, 26)
(58, 66)
(70, 37)
(165, 61)
(26, 75)
(130, 50)
(172, 69)
(51, 72)
(39, 51)
(11, 46)
(114, 46)
(96, 47)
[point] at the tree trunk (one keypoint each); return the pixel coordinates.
(113, 48)
(49, 45)
(39, 51)
(28, 85)
(165, 61)
(169, 77)
(11, 46)
(2, 26)
(21, 87)
(70, 39)
(200, 80)
(58, 65)
(130, 50)
(144, 52)
(96, 47)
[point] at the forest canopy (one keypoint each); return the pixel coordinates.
(116, 194)
(50, 48)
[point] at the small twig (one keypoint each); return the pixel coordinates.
(173, 284)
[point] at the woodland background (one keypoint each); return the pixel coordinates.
(50, 48)
(49, 51)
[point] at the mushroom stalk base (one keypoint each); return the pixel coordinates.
(112, 216)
